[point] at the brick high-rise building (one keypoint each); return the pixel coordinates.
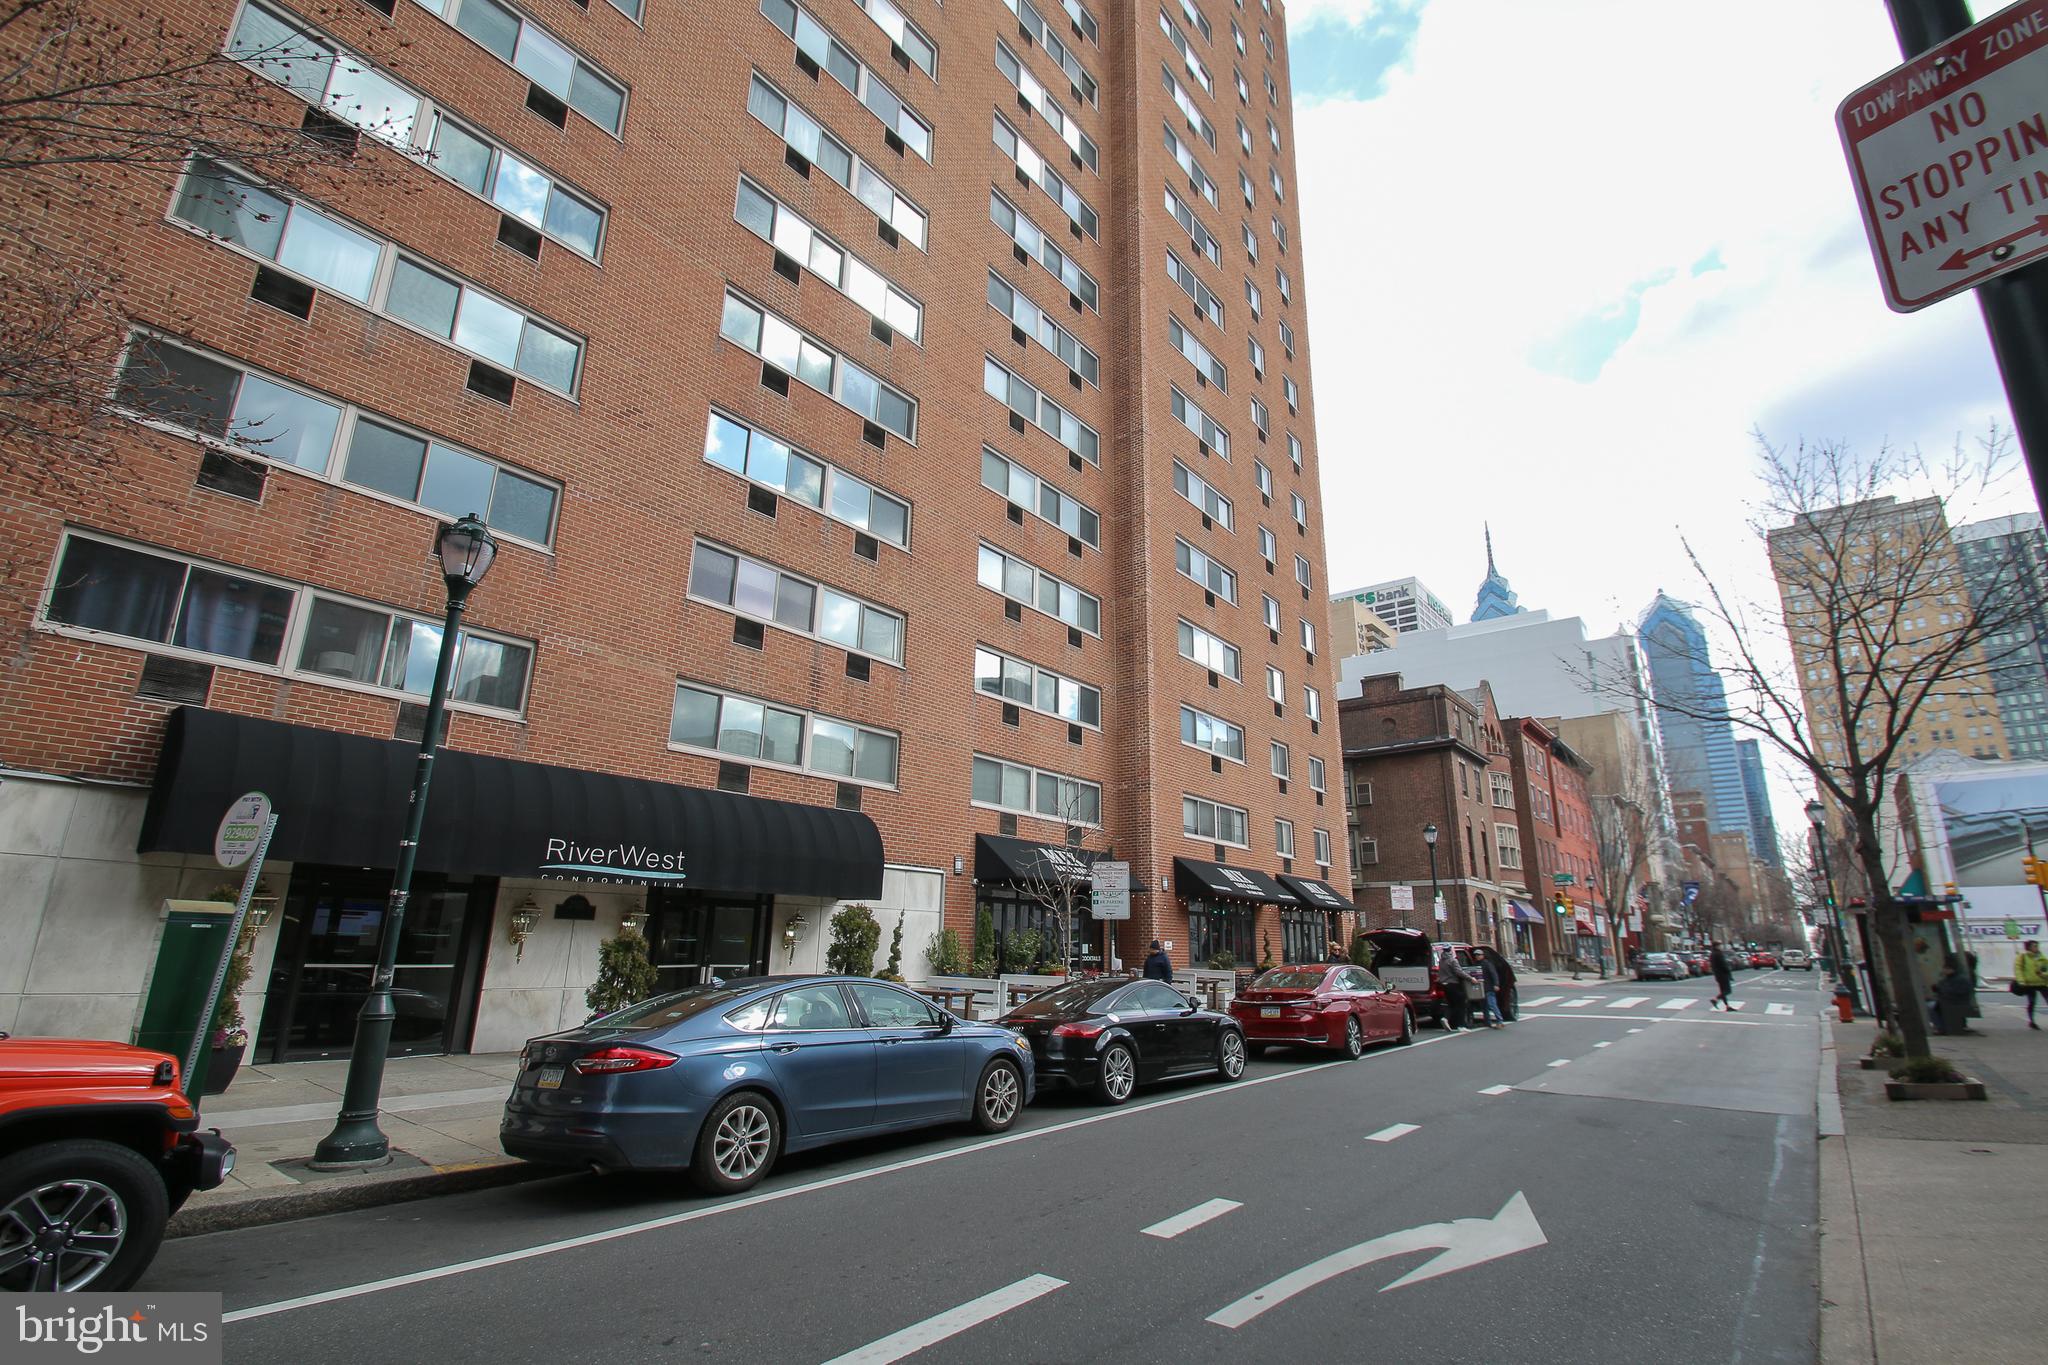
(902, 474)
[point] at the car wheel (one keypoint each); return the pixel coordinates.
(78, 1215)
(998, 1098)
(1117, 1075)
(1354, 1038)
(740, 1140)
(1230, 1054)
(1407, 1028)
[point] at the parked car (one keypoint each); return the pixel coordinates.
(1795, 960)
(98, 1148)
(1661, 967)
(1320, 1005)
(1112, 1034)
(1695, 962)
(1406, 960)
(1766, 958)
(722, 1079)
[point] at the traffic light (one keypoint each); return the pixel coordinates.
(2035, 871)
(1558, 903)
(1569, 906)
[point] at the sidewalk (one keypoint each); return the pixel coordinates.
(441, 1114)
(1931, 1210)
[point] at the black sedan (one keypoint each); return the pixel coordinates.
(1111, 1034)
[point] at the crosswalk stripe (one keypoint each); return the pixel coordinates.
(1629, 1002)
(1777, 1009)
(1678, 1004)
(1496, 1090)
(1543, 1000)
(1734, 1004)
(1581, 1004)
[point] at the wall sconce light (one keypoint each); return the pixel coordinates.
(262, 904)
(959, 864)
(793, 932)
(633, 922)
(524, 921)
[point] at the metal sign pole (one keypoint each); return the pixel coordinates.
(204, 1032)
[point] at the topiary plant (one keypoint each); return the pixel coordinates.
(856, 933)
(984, 944)
(945, 954)
(894, 971)
(624, 974)
(1266, 951)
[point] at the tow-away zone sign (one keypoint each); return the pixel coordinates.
(1950, 158)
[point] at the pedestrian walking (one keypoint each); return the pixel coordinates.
(2030, 976)
(1489, 976)
(1159, 967)
(1505, 971)
(1452, 977)
(1724, 977)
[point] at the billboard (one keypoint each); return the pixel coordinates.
(1986, 823)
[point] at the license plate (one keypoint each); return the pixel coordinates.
(1270, 1012)
(550, 1078)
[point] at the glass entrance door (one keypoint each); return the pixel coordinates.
(696, 935)
(327, 956)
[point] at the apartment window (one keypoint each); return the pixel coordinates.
(1199, 72)
(1270, 611)
(1266, 41)
(774, 222)
(189, 606)
(1244, 137)
(1040, 247)
(1037, 170)
(1000, 474)
(1055, 46)
(1308, 635)
(1294, 451)
(1035, 94)
(1211, 734)
(1018, 394)
(1300, 510)
(765, 459)
(1210, 651)
(219, 400)
(1023, 313)
(1030, 791)
(1190, 415)
(815, 41)
(1038, 689)
(1280, 236)
(755, 330)
(1508, 846)
(1361, 792)
(1503, 790)
(1214, 822)
(1193, 564)
(1197, 354)
(1244, 92)
(763, 592)
(1367, 851)
(1244, 188)
(1272, 90)
(1312, 702)
(1237, 37)
(1083, 20)
(1257, 353)
(1316, 781)
(1192, 112)
(908, 37)
(1252, 297)
(1279, 186)
(1276, 685)
(1269, 547)
(1263, 477)
(716, 722)
(1283, 761)
(1197, 234)
(1293, 394)
(1261, 418)
(1023, 582)
(1206, 302)
(1301, 571)
(1197, 490)
(1251, 242)
(804, 135)
(1322, 837)
(325, 252)
(1273, 133)
(1286, 284)
(1185, 159)
(1194, 16)
(541, 57)
(630, 8)
(1283, 837)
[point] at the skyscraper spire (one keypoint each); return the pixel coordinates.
(1496, 598)
(1490, 570)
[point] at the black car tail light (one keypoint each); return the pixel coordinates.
(617, 1060)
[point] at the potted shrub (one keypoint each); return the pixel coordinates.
(625, 974)
(945, 954)
(1885, 1049)
(1930, 1078)
(984, 964)
(856, 933)
(227, 1040)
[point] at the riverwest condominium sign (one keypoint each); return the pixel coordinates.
(1950, 157)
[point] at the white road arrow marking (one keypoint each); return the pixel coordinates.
(1678, 1004)
(1543, 1000)
(1464, 1243)
(1629, 1002)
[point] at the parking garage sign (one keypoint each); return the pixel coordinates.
(1949, 154)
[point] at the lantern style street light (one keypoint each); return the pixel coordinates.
(1429, 838)
(465, 549)
(1845, 973)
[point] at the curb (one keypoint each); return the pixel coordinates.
(1828, 1086)
(342, 1196)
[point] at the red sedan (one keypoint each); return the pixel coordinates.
(1317, 1005)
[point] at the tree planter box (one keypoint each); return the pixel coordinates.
(1877, 1063)
(1934, 1090)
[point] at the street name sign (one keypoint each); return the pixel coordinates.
(1949, 154)
(1111, 882)
(1563, 879)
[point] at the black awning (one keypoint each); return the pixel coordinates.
(997, 859)
(1318, 895)
(1198, 878)
(341, 799)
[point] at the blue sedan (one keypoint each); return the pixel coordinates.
(723, 1079)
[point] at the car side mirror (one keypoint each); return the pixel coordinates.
(945, 1023)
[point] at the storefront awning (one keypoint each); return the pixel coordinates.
(1019, 861)
(1198, 878)
(1522, 914)
(341, 799)
(1318, 895)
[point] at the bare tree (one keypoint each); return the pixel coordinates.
(1881, 626)
(1057, 877)
(103, 105)
(1621, 839)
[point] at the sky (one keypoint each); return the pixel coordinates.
(1564, 259)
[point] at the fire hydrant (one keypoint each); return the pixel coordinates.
(1842, 1008)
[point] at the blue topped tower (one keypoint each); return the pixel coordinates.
(1496, 598)
(1700, 754)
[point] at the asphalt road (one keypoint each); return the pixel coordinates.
(1637, 1183)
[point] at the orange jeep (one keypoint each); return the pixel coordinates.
(97, 1149)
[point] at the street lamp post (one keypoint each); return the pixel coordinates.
(1845, 973)
(1429, 838)
(465, 549)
